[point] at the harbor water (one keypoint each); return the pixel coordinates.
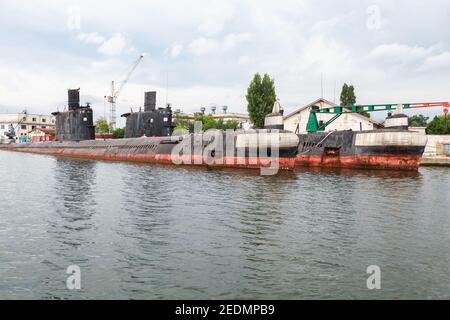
(153, 232)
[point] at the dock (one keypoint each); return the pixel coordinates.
(437, 152)
(438, 161)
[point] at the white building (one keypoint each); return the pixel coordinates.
(240, 118)
(298, 120)
(23, 124)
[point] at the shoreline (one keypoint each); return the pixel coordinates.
(435, 161)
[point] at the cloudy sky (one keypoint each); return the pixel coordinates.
(207, 51)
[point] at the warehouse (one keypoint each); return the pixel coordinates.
(298, 120)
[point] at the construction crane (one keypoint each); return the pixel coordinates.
(314, 125)
(115, 92)
(11, 133)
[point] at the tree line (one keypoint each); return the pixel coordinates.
(208, 122)
(102, 126)
(261, 97)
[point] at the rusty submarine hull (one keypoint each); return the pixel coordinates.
(148, 139)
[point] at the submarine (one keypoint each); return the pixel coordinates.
(149, 138)
(393, 147)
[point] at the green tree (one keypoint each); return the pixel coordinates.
(348, 98)
(208, 122)
(418, 121)
(230, 124)
(118, 133)
(182, 124)
(261, 97)
(101, 126)
(439, 125)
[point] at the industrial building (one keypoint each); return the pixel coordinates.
(228, 116)
(239, 117)
(42, 134)
(298, 120)
(23, 123)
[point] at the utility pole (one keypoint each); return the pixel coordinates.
(112, 109)
(321, 85)
(167, 86)
(334, 92)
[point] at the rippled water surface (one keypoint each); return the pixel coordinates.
(151, 232)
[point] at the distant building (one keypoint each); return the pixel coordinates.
(23, 124)
(42, 134)
(240, 118)
(298, 120)
(104, 136)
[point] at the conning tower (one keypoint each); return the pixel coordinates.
(398, 120)
(151, 122)
(275, 119)
(77, 123)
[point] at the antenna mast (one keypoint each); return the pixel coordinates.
(321, 85)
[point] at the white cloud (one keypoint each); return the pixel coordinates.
(294, 42)
(176, 50)
(91, 38)
(400, 54)
(329, 25)
(217, 13)
(326, 55)
(436, 62)
(211, 26)
(232, 40)
(203, 46)
(114, 45)
(244, 60)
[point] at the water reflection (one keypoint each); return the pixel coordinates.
(146, 221)
(154, 232)
(359, 172)
(69, 224)
(75, 182)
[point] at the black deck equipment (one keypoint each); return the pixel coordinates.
(77, 123)
(151, 122)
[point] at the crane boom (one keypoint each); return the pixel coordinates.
(112, 99)
(130, 73)
(313, 124)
